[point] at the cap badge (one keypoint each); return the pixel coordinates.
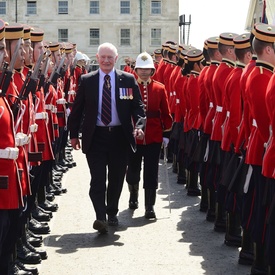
(144, 58)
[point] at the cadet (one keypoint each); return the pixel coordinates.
(158, 121)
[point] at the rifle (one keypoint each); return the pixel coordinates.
(44, 71)
(33, 79)
(54, 76)
(16, 104)
(7, 73)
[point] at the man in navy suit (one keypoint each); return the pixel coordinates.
(107, 144)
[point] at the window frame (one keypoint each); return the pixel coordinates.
(98, 7)
(29, 8)
(156, 39)
(66, 9)
(4, 8)
(124, 7)
(125, 37)
(96, 39)
(156, 10)
(63, 39)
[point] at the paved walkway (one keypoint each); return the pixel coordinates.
(179, 242)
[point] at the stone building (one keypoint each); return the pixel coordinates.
(132, 25)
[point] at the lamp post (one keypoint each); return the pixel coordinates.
(15, 11)
(182, 24)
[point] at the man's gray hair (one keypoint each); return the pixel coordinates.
(108, 45)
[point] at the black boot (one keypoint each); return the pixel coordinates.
(193, 189)
(210, 216)
(133, 201)
(259, 266)
(220, 220)
(246, 254)
(204, 199)
(182, 177)
(175, 164)
(233, 230)
(150, 199)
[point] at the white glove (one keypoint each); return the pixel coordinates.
(165, 141)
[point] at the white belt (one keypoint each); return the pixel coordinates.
(49, 107)
(21, 139)
(42, 115)
(254, 123)
(211, 105)
(71, 93)
(177, 101)
(219, 109)
(33, 128)
(9, 153)
(228, 114)
(61, 101)
(54, 109)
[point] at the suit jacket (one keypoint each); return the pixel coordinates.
(86, 103)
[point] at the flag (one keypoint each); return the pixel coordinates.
(264, 18)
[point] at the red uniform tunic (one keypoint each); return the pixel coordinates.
(10, 195)
(157, 111)
(193, 120)
(160, 71)
(219, 78)
(203, 96)
(232, 105)
(210, 95)
(180, 104)
(246, 121)
(268, 169)
(256, 93)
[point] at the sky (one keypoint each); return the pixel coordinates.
(212, 17)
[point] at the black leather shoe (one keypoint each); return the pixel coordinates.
(38, 227)
(100, 226)
(32, 269)
(50, 213)
(48, 206)
(133, 205)
(50, 196)
(193, 192)
(112, 220)
(15, 270)
(32, 234)
(42, 253)
(210, 216)
(231, 240)
(25, 256)
(33, 241)
(40, 215)
(246, 258)
(150, 213)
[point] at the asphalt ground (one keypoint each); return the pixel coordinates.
(179, 241)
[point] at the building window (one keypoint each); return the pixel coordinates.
(62, 7)
(3, 7)
(155, 7)
(31, 7)
(63, 35)
(125, 7)
(125, 37)
(94, 37)
(94, 7)
(155, 37)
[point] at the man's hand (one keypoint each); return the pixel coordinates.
(138, 133)
(75, 143)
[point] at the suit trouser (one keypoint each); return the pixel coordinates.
(150, 154)
(109, 151)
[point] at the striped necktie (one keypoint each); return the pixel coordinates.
(106, 108)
